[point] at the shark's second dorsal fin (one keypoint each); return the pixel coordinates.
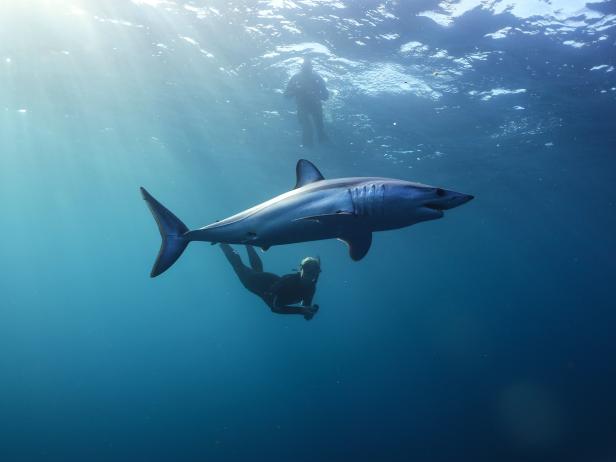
(306, 173)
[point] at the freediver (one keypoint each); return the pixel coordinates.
(309, 90)
(278, 292)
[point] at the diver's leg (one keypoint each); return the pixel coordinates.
(317, 116)
(256, 282)
(307, 311)
(304, 120)
(243, 272)
(255, 261)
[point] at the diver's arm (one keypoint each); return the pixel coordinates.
(291, 89)
(323, 92)
(311, 309)
(308, 299)
(306, 309)
(288, 309)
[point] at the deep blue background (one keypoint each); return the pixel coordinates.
(484, 336)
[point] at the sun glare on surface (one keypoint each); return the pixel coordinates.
(72, 7)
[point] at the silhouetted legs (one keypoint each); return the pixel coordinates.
(255, 261)
(309, 114)
(304, 120)
(317, 116)
(242, 271)
(252, 278)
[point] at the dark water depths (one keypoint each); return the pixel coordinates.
(485, 336)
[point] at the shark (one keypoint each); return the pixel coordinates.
(348, 209)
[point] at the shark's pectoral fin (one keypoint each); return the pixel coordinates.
(358, 240)
(329, 218)
(306, 173)
(358, 244)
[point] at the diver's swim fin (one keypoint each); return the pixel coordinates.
(172, 232)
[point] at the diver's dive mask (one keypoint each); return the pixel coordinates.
(309, 268)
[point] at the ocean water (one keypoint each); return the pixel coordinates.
(487, 335)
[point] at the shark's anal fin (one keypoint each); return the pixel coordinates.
(306, 173)
(358, 244)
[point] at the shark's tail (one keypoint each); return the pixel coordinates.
(172, 232)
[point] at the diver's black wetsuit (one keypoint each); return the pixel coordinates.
(277, 292)
(309, 90)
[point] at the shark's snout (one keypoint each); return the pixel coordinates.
(446, 200)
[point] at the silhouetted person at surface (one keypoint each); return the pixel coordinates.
(309, 90)
(279, 293)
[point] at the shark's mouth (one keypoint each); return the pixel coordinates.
(433, 211)
(437, 207)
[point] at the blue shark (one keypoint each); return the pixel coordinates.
(348, 209)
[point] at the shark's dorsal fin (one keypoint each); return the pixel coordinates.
(358, 244)
(306, 173)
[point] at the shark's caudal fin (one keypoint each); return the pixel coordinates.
(306, 173)
(172, 232)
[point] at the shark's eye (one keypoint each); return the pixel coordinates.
(440, 192)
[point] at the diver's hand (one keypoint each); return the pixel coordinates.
(310, 311)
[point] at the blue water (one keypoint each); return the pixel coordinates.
(487, 335)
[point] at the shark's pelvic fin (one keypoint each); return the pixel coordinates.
(358, 244)
(306, 173)
(172, 232)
